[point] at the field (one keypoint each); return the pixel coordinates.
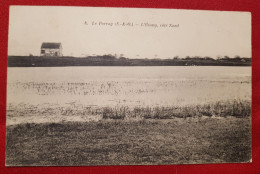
(117, 142)
(128, 115)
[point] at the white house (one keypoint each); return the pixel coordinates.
(51, 49)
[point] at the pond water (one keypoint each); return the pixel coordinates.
(131, 86)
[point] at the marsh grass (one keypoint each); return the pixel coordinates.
(236, 108)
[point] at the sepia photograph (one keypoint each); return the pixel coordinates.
(99, 86)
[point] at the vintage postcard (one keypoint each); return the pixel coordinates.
(92, 86)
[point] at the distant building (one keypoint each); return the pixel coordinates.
(51, 49)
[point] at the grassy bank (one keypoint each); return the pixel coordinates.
(106, 60)
(121, 142)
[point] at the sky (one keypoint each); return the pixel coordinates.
(156, 33)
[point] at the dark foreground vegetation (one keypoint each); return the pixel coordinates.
(108, 60)
(121, 142)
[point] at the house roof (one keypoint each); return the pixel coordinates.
(51, 45)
